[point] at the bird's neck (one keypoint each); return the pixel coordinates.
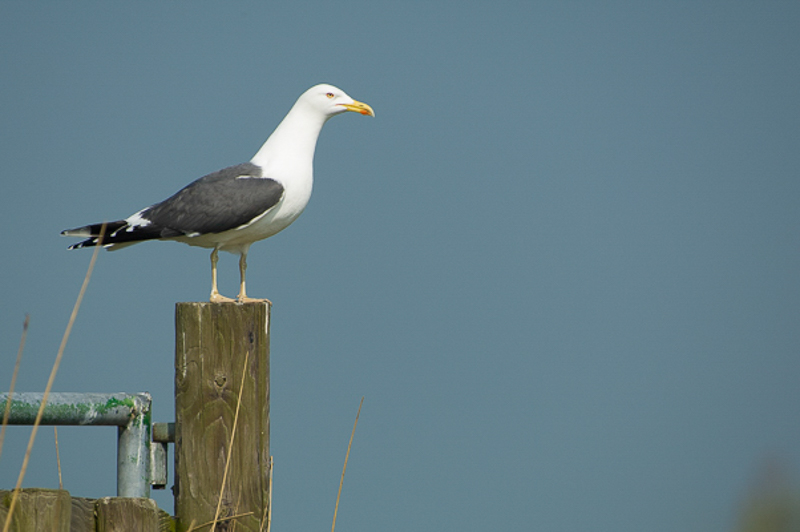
(291, 146)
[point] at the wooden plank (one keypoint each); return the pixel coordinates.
(212, 342)
(37, 509)
(126, 514)
(4, 503)
(166, 523)
(54, 510)
(83, 519)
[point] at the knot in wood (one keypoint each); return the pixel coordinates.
(220, 380)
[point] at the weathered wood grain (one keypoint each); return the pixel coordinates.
(212, 340)
(37, 509)
(83, 519)
(46, 510)
(122, 514)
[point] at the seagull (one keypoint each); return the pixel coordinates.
(230, 209)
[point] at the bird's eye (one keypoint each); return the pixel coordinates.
(329, 95)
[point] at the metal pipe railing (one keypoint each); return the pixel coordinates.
(129, 412)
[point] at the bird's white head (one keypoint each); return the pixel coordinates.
(330, 101)
(293, 142)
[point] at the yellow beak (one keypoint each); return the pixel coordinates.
(359, 107)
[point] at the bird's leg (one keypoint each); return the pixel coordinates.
(242, 298)
(242, 270)
(216, 297)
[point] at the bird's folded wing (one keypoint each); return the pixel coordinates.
(224, 200)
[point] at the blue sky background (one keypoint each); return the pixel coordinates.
(561, 264)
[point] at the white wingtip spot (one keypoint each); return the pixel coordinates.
(137, 220)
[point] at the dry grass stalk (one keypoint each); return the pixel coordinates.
(346, 456)
(58, 459)
(13, 381)
(50, 381)
(230, 445)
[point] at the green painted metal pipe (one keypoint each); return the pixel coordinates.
(129, 412)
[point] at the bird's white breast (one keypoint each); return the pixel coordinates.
(297, 192)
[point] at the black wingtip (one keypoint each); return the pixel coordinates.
(89, 242)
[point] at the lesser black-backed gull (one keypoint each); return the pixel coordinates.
(230, 209)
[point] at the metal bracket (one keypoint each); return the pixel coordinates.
(163, 434)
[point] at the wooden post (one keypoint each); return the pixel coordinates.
(212, 342)
(83, 519)
(38, 509)
(55, 511)
(122, 514)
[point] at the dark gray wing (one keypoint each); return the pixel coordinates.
(224, 200)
